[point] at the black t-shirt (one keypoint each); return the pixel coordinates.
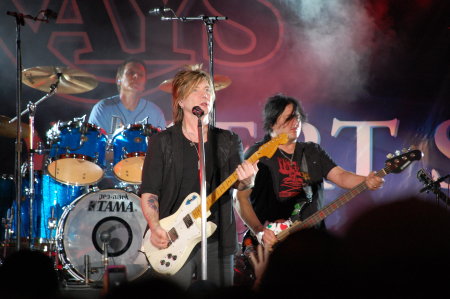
(189, 181)
(170, 167)
(280, 183)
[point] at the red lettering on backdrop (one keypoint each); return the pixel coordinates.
(255, 44)
(75, 43)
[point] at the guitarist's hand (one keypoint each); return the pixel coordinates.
(246, 173)
(268, 239)
(159, 238)
(374, 182)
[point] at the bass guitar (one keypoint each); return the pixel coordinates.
(283, 229)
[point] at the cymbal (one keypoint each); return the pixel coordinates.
(71, 80)
(220, 82)
(9, 130)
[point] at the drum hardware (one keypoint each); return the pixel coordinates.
(105, 237)
(52, 221)
(7, 223)
(87, 268)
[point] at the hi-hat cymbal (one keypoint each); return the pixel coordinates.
(9, 130)
(220, 82)
(71, 80)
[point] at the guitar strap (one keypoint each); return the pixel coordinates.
(304, 167)
(306, 188)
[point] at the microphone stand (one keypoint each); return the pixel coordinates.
(20, 21)
(202, 179)
(209, 22)
(433, 186)
(17, 175)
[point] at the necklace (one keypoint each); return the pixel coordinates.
(289, 158)
(191, 143)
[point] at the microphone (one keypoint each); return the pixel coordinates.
(197, 111)
(428, 182)
(49, 14)
(158, 11)
(424, 178)
(105, 237)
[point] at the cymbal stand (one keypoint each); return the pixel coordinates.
(209, 22)
(31, 189)
(31, 108)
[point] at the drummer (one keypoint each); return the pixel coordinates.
(128, 107)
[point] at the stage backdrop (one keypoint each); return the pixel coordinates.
(373, 76)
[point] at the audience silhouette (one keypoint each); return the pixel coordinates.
(29, 274)
(399, 249)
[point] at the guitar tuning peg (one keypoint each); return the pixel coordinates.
(397, 152)
(390, 156)
(412, 147)
(404, 150)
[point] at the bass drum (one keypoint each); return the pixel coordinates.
(110, 216)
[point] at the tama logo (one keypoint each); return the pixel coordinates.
(111, 206)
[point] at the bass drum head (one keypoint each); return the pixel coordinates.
(111, 216)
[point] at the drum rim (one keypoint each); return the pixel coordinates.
(51, 160)
(78, 124)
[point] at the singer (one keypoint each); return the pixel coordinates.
(171, 170)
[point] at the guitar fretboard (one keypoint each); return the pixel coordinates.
(267, 150)
(328, 209)
(222, 188)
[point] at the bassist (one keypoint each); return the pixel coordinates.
(290, 183)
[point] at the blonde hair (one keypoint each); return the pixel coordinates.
(182, 85)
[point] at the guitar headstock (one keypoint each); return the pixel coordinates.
(269, 148)
(396, 164)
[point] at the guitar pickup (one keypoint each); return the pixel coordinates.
(173, 235)
(188, 220)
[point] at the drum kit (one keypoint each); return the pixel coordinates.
(82, 227)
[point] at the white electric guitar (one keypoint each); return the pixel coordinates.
(184, 226)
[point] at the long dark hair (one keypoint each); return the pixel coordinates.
(274, 108)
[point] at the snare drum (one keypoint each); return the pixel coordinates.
(77, 153)
(130, 147)
(112, 216)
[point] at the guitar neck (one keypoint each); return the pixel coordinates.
(328, 209)
(222, 188)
